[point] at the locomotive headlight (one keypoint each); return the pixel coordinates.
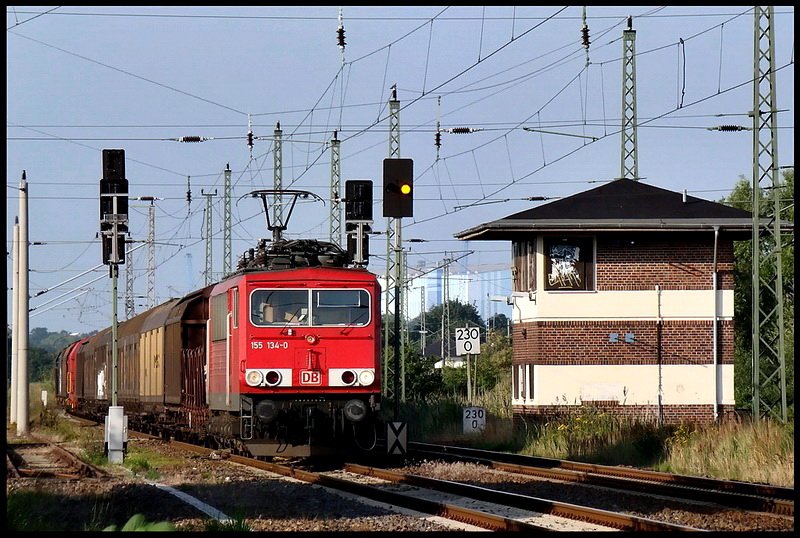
(355, 410)
(272, 378)
(254, 378)
(366, 377)
(348, 377)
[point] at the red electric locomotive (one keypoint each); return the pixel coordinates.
(294, 355)
(66, 375)
(281, 358)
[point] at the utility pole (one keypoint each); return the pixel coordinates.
(22, 312)
(336, 179)
(629, 162)
(768, 353)
(226, 226)
(209, 235)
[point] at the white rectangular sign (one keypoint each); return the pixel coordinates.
(474, 419)
(468, 341)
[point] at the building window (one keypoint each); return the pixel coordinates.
(521, 381)
(570, 263)
(528, 382)
(523, 271)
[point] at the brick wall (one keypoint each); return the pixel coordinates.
(638, 261)
(587, 342)
(673, 263)
(671, 414)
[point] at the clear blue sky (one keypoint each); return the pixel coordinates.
(81, 79)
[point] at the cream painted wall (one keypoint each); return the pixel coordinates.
(627, 384)
(629, 305)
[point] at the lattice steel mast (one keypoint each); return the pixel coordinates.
(768, 353)
(629, 163)
(336, 180)
(446, 311)
(277, 182)
(151, 255)
(209, 236)
(394, 272)
(227, 253)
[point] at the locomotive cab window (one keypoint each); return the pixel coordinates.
(279, 307)
(340, 307)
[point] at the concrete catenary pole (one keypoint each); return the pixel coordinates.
(22, 312)
(14, 319)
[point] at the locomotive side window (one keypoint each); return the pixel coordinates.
(279, 307)
(340, 307)
(219, 314)
(235, 306)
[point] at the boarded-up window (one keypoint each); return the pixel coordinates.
(570, 263)
(523, 271)
(219, 317)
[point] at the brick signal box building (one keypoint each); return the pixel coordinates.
(623, 300)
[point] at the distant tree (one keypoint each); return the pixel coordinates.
(487, 368)
(43, 347)
(422, 378)
(742, 197)
(461, 315)
(499, 323)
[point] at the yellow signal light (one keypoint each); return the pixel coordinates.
(405, 188)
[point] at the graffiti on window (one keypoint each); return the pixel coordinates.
(564, 271)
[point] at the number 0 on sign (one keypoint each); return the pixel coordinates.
(468, 341)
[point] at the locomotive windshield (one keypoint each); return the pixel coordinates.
(315, 307)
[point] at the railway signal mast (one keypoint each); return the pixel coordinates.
(113, 227)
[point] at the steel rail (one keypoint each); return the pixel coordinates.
(756, 497)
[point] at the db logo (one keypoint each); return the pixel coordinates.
(310, 377)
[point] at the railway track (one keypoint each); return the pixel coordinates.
(43, 459)
(351, 481)
(460, 492)
(732, 494)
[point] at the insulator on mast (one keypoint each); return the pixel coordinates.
(340, 33)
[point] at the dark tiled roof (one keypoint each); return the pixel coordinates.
(622, 204)
(629, 199)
